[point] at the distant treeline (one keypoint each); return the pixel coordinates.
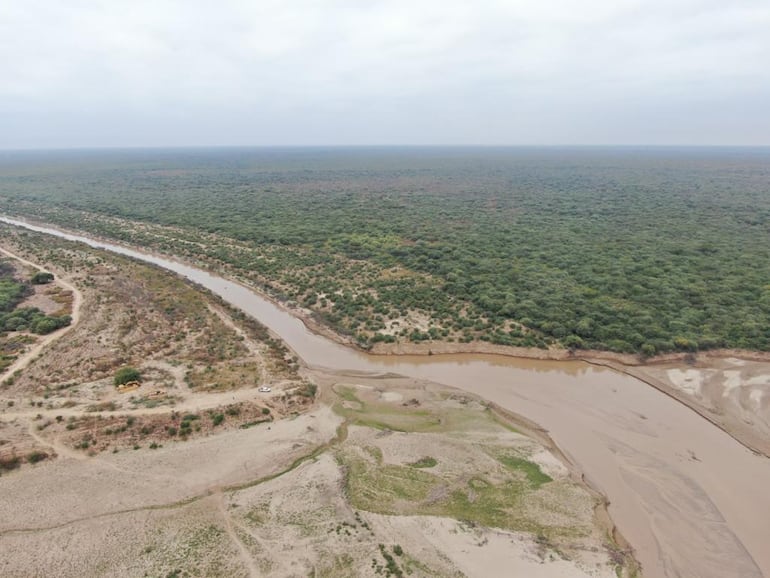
(626, 250)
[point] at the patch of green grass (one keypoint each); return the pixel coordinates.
(497, 506)
(347, 393)
(383, 416)
(410, 490)
(425, 462)
(535, 476)
(377, 488)
(205, 537)
(395, 417)
(375, 452)
(340, 565)
(413, 565)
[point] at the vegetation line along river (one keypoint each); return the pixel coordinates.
(690, 499)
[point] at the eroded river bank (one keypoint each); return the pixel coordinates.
(689, 498)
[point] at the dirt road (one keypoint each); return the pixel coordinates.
(77, 299)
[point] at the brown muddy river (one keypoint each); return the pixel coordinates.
(690, 499)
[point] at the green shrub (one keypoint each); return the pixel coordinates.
(42, 278)
(648, 350)
(126, 374)
(426, 462)
(308, 389)
(36, 456)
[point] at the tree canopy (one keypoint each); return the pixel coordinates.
(628, 250)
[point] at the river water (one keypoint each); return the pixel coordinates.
(690, 499)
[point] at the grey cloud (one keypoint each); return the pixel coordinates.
(106, 73)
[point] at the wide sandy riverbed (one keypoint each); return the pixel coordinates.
(689, 498)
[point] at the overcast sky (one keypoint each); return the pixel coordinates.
(84, 73)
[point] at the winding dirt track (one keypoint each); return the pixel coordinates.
(77, 299)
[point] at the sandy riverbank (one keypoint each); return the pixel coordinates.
(740, 406)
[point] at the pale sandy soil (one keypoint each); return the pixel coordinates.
(41, 300)
(482, 552)
(200, 507)
(54, 494)
(302, 525)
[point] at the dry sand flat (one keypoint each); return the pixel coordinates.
(196, 508)
(68, 490)
(317, 519)
(134, 544)
(146, 511)
(482, 552)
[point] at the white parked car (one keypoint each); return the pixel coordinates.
(264, 389)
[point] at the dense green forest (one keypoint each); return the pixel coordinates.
(632, 250)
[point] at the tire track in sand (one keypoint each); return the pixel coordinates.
(77, 299)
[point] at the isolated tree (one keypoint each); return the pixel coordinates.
(42, 278)
(126, 374)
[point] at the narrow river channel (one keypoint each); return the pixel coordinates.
(691, 500)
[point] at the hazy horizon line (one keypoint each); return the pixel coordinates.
(382, 146)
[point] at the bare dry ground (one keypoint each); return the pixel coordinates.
(456, 493)
(198, 473)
